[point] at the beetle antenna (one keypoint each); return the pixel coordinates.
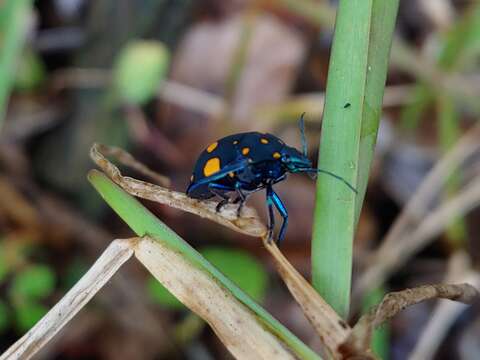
(313, 170)
(301, 125)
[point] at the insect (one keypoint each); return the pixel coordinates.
(248, 162)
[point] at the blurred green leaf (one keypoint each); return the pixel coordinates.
(30, 72)
(35, 282)
(27, 315)
(3, 316)
(161, 295)
(139, 69)
(240, 267)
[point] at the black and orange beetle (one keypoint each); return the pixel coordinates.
(247, 162)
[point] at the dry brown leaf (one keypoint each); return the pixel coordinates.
(248, 223)
(330, 327)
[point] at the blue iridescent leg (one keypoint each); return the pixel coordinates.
(220, 190)
(283, 212)
(271, 217)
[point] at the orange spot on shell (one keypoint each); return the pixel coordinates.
(212, 147)
(276, 155)
(235, 142)
(264, 141)
(212, 166)
(231, 174)
(245, 150)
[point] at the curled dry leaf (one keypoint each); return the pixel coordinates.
(249, 223)
(395, 302)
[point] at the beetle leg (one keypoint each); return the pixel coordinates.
(271, 217)
(283, 212)
(241, 198)
(218, 190)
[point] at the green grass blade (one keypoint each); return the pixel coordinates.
(356, 80)
(13, 26)
(384, 14)
(143, 222)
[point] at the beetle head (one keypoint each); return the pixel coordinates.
(293, 160)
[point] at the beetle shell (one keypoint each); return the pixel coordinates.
(257, 148)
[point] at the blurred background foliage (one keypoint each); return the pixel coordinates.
(163, 78)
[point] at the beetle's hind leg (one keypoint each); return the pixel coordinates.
(274, 199)
(220, 190)
(271, 217)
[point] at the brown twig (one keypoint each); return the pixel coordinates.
(128, 160)
(395, 302)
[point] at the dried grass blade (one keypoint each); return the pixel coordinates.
(330, 327)
(127, 159)
(116, 254)
(236, 325)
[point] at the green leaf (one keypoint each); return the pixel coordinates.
(35, 282)
(27, 314)
(4, 316)
(240, 267)
(160, 294)
(353, 104)
(139, 69)
(143, 222)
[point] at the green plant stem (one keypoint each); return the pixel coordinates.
(13, 27)
(143, 222)
(356, 81)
